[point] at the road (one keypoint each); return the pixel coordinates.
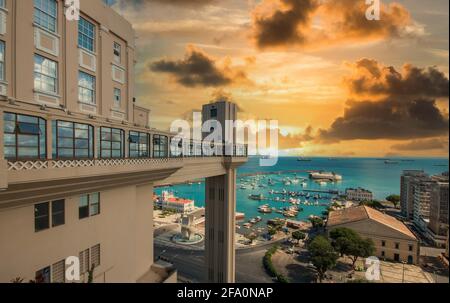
(190, 263)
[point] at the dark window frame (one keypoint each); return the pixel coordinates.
(90, 140)
(54, 213)
(46, 217)
(135, 145)
(111, 142)
(87, 207)
(160, 150)
(41, 136)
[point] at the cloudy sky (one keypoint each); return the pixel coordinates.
(338, 84)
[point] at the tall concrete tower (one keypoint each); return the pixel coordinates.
(220, 200)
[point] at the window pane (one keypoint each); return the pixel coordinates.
(65, 153)
(28, 152)
(58, 213)
(43, 275)
(45, 14)
(27, 128)
(41, 216)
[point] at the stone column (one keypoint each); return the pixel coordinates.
(220, 198)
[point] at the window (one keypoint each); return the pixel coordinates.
(117, 50)
(89, 205)
(58, 213)
(214, 113)
(111, 143)
(383, 254)
(73, 140)
(2, 61)
(397, 245)
(58, 272)
(86, 88)
(160, 146)
(95, 255)
(45, 75)
(138, 145)
(45, 14)
(410, 247)
(2, 3)
(24, 137)
(383, 243)
(41, 216)
(117, 98)
(86, 34)
(43, 275)
(84, 261)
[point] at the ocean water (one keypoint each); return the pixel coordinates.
(370, 173)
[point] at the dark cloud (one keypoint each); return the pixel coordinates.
(174, 2)
(406, 110)
(372, 78)
(282, 27)
(388, 119)
(426, 144)
(278, 23)
(196, 69)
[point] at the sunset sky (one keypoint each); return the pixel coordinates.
(339, 85)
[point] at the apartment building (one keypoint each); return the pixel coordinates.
(407, 191)
(393, 240)
(358, 194)
(438, 220)
(79, 161)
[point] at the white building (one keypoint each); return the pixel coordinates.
(358, 194)
(168, 201)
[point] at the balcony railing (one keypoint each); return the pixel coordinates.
(216, 151)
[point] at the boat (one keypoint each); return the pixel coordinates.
(301, 159)
(243, 187)
(259, 197)
(390, 162)
(247, 225)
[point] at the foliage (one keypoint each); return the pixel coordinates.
(323, 255)
(316, 222)
(298, 235)
(91, 274)
(394, 199)
(347, 242)
(268, 265)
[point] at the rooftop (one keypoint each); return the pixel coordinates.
(360, 213)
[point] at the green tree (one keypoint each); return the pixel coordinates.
(316, 222)
(323, 256)
(272, 231)
(298, 235)
(359, 247)
(342, 239)
(394, 199)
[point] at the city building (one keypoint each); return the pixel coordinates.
(392, 238)
(79, 160)
(168, 201)
(358, 194)
(407, 191)
(438, 219)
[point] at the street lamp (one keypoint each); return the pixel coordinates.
(403, 274)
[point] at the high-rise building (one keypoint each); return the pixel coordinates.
(78, 161)
(438, 225)
(407, 191)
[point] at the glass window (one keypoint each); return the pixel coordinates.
(214, 113)
(160, 146)
(58, 213)
(73, 140)
(89, 205)
(2, 61)
(117, 50)
(45, 74)
(24, 137)
(41, 216)
(45, 14)
(117, 98)
(138, 145)
(43, 275)
(2, 3)
(86, 34)
(111, 143)
(86, 88)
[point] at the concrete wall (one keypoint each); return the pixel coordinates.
(124, 230)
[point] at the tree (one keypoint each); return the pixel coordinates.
(323, 256)
(359, 247)
(272, 231)
(252, 237)
(298, 235)
(342, 238)
(316, 222)
(394, 199)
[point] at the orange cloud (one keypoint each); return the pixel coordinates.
(314, 23)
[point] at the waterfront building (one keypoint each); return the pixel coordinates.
(407, 180)
(358, 194)
(168, 201)
(79, 161)
(438, 220)
(392, 238)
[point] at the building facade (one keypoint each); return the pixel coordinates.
(393, 240)
(78, 161)
(438, 220)
(407, 191)
(359, 194)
